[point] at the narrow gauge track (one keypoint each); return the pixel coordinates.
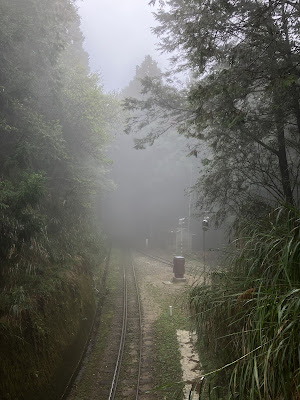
(157, 258)
(126, 378)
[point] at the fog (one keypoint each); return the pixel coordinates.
(117, 38)
(150, 189)
(152, 194)
(152, 186)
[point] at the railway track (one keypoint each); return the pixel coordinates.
(157, 258)
(130, 370)
(124, 371)
(126, 377)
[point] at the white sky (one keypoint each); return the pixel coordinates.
(117, 38)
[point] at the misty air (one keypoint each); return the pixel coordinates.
(149, 200)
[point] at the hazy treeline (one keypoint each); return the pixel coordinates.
(152, 184)
(241, 99)
(54, 127)
(54, 120)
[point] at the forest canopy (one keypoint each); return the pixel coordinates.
(54, 126)
(241, 98)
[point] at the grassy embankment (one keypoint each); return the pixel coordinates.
(85, 385)
(167, 355)
(44, 324)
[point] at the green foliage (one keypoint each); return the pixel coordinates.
(54, 125)
(242, 98)
(147, 69)
(35, 335)
(84, 109)
(249, 313)
(168, 356)
(158, 108)
(20, 218)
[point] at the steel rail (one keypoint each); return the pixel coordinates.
(157, 258)
(118, 365)
(140, 331)
(122, 341)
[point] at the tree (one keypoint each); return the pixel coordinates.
(243, 99)
(150, 184)
(54, 126)
(54, 123)
(244, 102)
(148, 68)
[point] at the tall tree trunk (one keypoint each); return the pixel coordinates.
(294, 93)
(278, 99)
(282, 157)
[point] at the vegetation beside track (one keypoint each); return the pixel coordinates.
(249, 315)
(43, 333)
(45, 321)
(107, 291)
(167, 366)
(55, 121)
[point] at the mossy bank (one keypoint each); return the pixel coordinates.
(44, 326)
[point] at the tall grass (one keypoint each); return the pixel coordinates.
(249, 313)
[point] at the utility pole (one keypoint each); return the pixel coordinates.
(189, 244)
(181, 222)
(205, 226)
